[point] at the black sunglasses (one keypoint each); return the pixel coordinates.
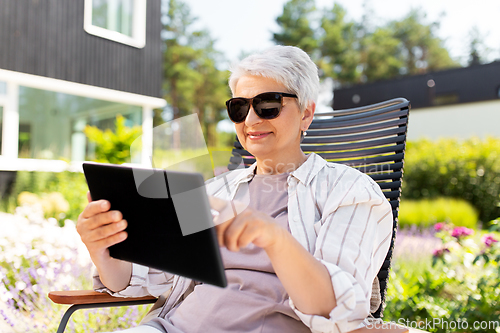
(267, 105)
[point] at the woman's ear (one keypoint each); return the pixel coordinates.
(307, 116)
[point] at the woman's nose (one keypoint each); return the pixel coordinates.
(252, 118)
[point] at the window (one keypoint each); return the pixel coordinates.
(3, 93)
(51, 123)
(1, 124)
(445, 99)
(123, 21)
(3, 88)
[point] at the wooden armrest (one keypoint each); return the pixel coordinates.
(91, 296)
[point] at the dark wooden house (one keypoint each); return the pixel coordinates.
(65, 64)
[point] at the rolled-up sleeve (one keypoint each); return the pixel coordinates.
(352, 241)
(143, 282)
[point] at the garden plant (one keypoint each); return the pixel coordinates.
(457, 286)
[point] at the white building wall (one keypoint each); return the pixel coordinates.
(461, 121)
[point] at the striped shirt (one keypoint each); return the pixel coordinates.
(337, 213)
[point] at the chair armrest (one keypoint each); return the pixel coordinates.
(92, 297)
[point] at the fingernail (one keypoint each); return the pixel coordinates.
(116, 216)
(104, 204)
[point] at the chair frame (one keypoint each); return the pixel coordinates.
(392, 141)
(89, 299)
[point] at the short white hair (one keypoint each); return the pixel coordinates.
(287, 65)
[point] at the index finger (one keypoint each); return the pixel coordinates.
(96, 207)
(216, 203)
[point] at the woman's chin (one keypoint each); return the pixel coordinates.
(259, 150)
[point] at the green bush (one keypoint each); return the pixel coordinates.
(113, 146)
(71, 185)
(427, 212)
(469, 170)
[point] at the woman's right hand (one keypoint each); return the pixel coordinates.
(100, 228)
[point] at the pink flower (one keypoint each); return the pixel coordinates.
(488, 240)
(438, 253)
(439, 226)
(461, 231)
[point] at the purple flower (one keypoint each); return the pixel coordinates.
(488, 240)
(6, 318)
(459, 232)
(438, 253)
(32, 272)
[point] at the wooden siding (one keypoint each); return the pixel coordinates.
(46, 38)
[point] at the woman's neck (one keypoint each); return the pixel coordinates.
(278, 165)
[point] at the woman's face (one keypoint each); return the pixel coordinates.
(272, 138)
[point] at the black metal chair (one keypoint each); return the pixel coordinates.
(371, 139)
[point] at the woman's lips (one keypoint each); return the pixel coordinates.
(257, 135)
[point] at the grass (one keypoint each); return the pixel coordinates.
(208, 162)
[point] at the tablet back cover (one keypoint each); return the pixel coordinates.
(154, 237)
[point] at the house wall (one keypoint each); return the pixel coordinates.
(462, 121)
(46, 38)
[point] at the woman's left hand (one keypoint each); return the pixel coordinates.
(305, 278)
(250, 226)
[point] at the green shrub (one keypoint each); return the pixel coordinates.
(113, 147)
(71, 185)
(469, 170)
(53, 204)
(427, 212)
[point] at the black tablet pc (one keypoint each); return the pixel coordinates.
(170, 225)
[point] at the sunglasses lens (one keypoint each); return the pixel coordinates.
(267, 105)
(238, 109)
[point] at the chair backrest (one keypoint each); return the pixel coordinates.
(371, 139)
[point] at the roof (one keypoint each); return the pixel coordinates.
(452, 86)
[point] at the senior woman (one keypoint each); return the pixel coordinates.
(301, 257)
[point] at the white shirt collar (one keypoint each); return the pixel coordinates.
(304, 173)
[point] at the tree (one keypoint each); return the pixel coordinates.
(340, 56)
(295, 24)
(192, 82)
(477, 49)
(381, 56)
(179, 56)
(352, 52)
(421, 49)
